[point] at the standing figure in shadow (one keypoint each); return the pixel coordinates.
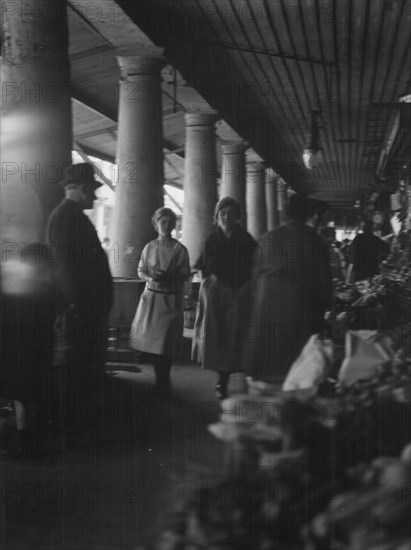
(158, 325)
(291, 289)
(81, 272)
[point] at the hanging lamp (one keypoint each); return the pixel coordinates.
(312, 154)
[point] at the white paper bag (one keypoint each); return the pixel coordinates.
(312, 365)
(365, 352)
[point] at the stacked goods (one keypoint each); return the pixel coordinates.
(401, 338)
(380, 303)
(301, 494)
(307, 472)
(334, 432)
(373, 514)
(255, 511)
(345, 294)
(318, 468)
(318, 459)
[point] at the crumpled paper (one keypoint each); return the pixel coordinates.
(311, 366)
(366, 351)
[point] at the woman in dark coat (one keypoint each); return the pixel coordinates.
(291, 288)
(226, 264)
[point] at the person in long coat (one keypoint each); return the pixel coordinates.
(225, 263)
(291, 289)
(80, 270)
(157, 328)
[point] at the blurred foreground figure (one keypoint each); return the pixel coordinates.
(290, 290)
(29, 306)
(80, 270)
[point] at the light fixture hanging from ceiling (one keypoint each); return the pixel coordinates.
(312, 154)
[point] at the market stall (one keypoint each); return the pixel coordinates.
(324, 463)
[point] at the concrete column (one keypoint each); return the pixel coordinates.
(200, 184)
(281, 201)
(139, 190)
(271, 199)
(99, 217)
(36, 135)
(233, 174)
(256, 209)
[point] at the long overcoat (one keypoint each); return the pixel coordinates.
(291, 287)
(226, 265)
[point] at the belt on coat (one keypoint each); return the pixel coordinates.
(161, 291)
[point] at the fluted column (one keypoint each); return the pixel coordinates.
(200, 183)
(256, 209)
(271, 199)
(139, 190)
(36, 135)
(281, 201)
(233, 174)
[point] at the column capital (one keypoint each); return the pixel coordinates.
(234, 147)
(255, 166)
(134, 62)
(271, 176)
(201, 118)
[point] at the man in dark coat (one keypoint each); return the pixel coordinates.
(291, 289)
(80, 270)
(367, 251)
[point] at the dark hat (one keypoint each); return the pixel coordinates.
(80, 174)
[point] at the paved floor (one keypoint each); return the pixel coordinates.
(113, 484)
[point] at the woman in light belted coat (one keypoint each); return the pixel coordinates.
(157, 328)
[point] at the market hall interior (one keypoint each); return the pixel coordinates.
(180, 105)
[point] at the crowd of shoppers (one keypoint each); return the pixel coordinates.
(259, 302)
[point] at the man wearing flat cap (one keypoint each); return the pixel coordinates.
(80, 270)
